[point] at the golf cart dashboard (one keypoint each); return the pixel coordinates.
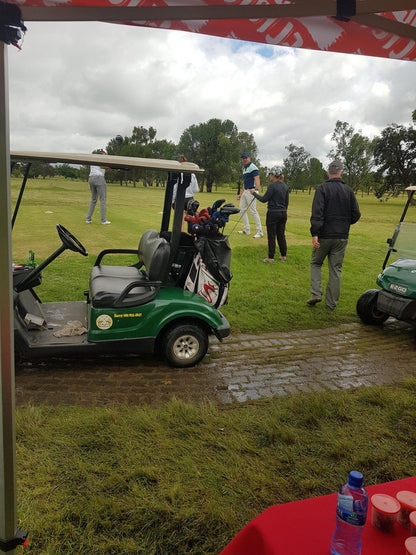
(22, 271)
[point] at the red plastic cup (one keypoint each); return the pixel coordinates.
(410, 545)
(384, 511)
(412, 521)
(407, 500)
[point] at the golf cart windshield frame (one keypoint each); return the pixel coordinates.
(391, 242)
(177, 172)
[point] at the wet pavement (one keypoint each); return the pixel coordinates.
(242, 368)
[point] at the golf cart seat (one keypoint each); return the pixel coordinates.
(127, 286)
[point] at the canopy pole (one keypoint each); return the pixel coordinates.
(8, 517)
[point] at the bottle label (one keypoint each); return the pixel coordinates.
(353, 512)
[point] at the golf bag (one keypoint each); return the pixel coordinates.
(210, 275)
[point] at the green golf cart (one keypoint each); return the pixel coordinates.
(141, 308)
(397, 296)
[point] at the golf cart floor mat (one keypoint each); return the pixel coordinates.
(57, 316)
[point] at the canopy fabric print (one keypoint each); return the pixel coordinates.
(383, 28)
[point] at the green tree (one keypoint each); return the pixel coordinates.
(42, 169)
(296, 167)
(141, 144)
(395, 156)
(341, 136)
(166, 150)
(142, 136)
(315, 172)
(68, 171)
(212, 146)
(379, 185)
(360, 161)
(355, 150)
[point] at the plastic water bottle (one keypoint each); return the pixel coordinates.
(350, 517)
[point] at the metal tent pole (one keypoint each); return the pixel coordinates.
(7, 392)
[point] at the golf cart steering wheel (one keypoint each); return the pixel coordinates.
(69, 241)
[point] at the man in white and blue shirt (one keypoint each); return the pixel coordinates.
(251, 178)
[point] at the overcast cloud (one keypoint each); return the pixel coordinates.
(74, 86)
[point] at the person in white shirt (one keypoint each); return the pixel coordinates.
(189, 191)
(98, 188)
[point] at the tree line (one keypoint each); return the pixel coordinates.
(384, 165)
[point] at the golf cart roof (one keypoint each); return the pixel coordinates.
(116, 162)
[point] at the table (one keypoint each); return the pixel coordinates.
(305, 528)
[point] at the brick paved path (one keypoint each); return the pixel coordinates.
(243, 367)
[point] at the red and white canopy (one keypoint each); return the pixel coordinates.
(383, 28)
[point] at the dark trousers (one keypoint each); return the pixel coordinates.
(276, 224)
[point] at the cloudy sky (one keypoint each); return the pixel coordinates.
(74, 86)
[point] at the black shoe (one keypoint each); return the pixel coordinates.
(313, 301)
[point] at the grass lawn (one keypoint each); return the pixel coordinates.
(262, 297)
(182, 479)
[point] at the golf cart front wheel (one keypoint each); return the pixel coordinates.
(367, 308)
(184, 345)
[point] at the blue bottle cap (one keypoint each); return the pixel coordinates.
(355, 479)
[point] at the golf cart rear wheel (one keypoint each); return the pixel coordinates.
(184, 345)
(367, 308)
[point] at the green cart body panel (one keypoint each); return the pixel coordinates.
(171, 303)
(399, 278)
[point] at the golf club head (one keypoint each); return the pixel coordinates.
(192, 207)
(229, 210)
(217, 204)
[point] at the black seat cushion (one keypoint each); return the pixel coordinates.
(106, 292)
(129, 272)
(127, 286)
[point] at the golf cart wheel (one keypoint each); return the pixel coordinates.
(367, 308)
(184, 345)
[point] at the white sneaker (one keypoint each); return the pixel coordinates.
(258, 235)
(87, 221)
(243, 232)
(106, 223)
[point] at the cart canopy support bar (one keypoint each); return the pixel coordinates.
(7, 391)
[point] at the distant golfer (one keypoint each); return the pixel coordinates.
(334, 209)
(98, 188)
(277, 198)
(251, 178)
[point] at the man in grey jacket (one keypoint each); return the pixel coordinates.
(334, 209)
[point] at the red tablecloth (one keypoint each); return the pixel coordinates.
(305, 528)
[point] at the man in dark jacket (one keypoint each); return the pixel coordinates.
(277, 198)
(334, 209)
